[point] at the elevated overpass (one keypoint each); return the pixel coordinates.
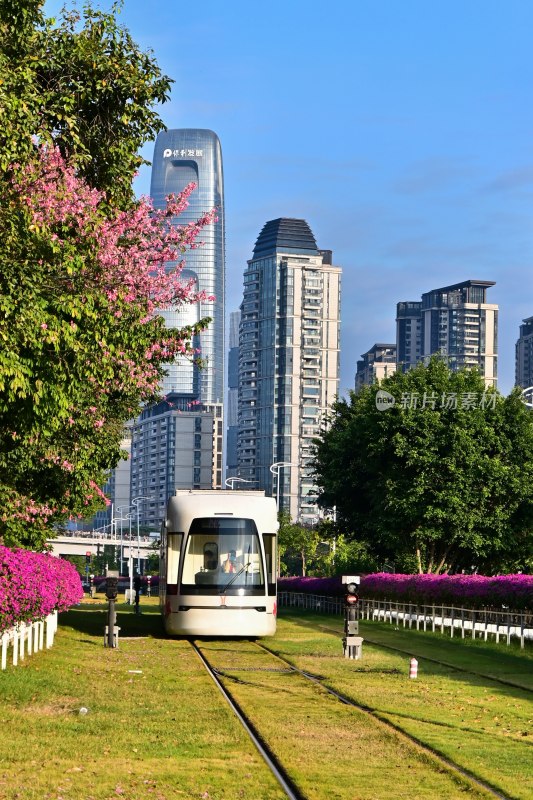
(80, 543)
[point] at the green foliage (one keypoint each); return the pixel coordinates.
(322, 550)
(439, 488)
(79, 562)
(152, 562)
(77, 354)
(82, 83)
(297, 544)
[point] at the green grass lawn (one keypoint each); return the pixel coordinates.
(156, 726)
(482, 725)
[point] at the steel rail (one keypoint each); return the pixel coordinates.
(443, 760)
(413, 652)
(290, 788)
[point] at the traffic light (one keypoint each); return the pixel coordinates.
(351, 594)
(352, 642)
(111, 587)
(88, 557)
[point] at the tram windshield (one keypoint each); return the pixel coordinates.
(223, 554)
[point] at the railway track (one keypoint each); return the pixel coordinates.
(413, 652)
(272, 762)
(250, 675)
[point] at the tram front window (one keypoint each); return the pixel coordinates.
(223, 554)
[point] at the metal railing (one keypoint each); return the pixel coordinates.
(477, 623)
(112, 537)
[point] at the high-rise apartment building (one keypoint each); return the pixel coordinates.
(164, 438)
(232, 419)
(408, 334)
(455, 322)
(376, 364)
(288, 361)
(117, 489)
(524, 355)
(175, 446)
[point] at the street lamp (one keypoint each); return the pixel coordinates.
(130, 557)
(135, 502)
(121, 519)
(230, 481)
(275, 470)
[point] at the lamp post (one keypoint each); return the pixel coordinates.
(135, 502)
(230, 481)
(121, 519)
(275, 470)
(130, 561)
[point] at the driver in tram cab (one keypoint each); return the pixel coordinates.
(231, 564)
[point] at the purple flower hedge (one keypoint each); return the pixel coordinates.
(32, 585)
(474, 591)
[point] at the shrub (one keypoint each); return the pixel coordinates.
(514, 591)
(32, 585)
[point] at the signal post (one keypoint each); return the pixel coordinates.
(352, 643)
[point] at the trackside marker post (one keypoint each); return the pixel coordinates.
(111, 590)
(413, 668)
(352, 643)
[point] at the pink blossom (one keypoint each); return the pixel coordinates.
(32, 585)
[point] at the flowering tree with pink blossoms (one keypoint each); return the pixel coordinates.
(86, 345)
(83, 264)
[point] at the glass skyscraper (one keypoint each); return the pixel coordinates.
(178, 442)
(288, 362)
(232, 419)
(180, 157)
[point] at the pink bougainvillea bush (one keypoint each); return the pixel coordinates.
(32, 585)
(512, 591)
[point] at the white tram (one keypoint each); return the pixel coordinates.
(218, 564)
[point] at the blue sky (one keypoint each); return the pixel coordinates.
(401, 130)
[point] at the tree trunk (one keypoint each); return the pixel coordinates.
(431, 557)
(304, 564)
(442, 562)
(419, 560)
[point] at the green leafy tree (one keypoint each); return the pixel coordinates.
(81, 83)
(339, 554)
(440, 481)
(320, 550)
(297, 545)
(79, 562)
(83, 265)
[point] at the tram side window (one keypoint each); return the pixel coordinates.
(269, 540)
(174, 543)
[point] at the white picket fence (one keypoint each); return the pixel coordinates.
(27, 638)
(477, 623)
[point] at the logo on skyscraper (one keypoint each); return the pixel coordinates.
(189, 153)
